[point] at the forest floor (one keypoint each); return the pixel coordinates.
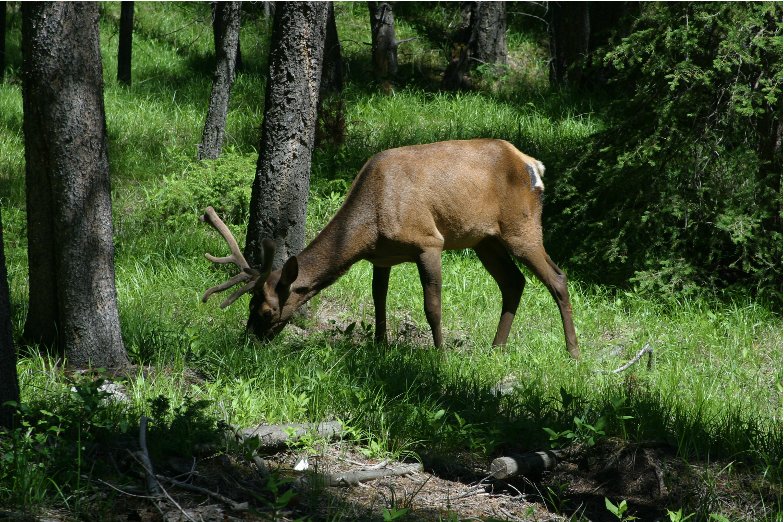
(646, 476)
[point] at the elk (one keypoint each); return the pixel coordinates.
(409, 204)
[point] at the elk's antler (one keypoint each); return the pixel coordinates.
(248, 275)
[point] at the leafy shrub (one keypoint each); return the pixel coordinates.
(681, 191)
(224, 184)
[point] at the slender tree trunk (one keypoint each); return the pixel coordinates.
(9, 384)
(226, 26)
(280, 189)
(124, 50)
(3, 7)
(456, 73)
(73, 301)
(218, 27)
(331, 126)
(384, 42)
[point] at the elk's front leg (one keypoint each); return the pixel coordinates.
(429, 265)
(380, 288)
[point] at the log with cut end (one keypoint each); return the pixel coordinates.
(275, 435)
(526, 464)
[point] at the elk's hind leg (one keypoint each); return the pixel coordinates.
(380, 289)
(511, 282)
(535, 258)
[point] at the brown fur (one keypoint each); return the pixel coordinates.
(408, 205)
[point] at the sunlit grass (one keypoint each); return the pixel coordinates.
(714, 389)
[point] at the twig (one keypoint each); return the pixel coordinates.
(144, 457)
(235, 506)
(473, 490)
(645, 349)
(127, 493)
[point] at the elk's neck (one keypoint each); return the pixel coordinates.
(333, 251)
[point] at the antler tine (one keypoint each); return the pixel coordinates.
(236, 257)
(247, 275)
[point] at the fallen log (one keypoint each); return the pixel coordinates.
(525, 464)
(276, 435)
(352, 478)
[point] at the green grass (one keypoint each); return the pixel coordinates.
(713, 392)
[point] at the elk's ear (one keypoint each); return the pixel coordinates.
(289, 272)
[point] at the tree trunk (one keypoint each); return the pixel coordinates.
(456, 73)
(480, 39)
(331, 125)
(126, 43)
(570, 30)
(384, 49)
(489, 33)
(226, 26)
(2, 39)
(9, 384)
(280, 190)
(218, 28)
(576, 30)
(73, 301)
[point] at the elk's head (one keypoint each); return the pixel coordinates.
(270, 306)
(270, 309)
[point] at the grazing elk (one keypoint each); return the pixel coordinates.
(410, 204)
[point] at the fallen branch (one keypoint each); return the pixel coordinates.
(353, 478)
(276, 435)
(645, 349)
(525, 464)
(234, 506)
(144, 458)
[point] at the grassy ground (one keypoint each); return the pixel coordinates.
(714, 391)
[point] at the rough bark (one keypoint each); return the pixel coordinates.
(2, 39)
(73, 301)
(218, 29)
(384, 42)
(226, 25)
(125, 46)
(9, 384)
(479, 39)
(331, 125)
(489, 41)
(280, 189)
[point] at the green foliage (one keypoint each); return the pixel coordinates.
(618, 510)
(681, 191)
(224, 184)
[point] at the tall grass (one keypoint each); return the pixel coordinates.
(714, 390)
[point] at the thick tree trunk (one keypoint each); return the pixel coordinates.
(280, 190)
(384, 42)
(489, 40)
(480, 39)
(9, 384)
(226, 26)
(73, 301)
(125, 47)
(2, 39)
(331, 125)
